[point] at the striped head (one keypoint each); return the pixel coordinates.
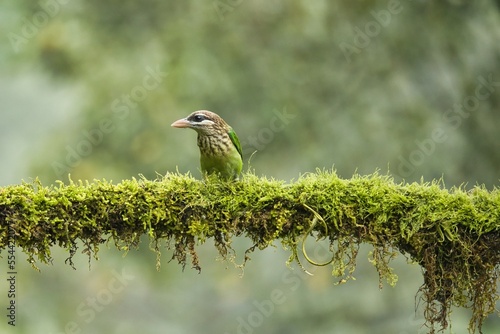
(204, 122)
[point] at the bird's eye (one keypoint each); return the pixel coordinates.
(198, 118)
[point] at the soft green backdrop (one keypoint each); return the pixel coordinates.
(90, 88)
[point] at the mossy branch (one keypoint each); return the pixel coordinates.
(454, 235)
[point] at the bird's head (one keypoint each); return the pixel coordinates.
(204, 122)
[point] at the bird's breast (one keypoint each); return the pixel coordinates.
(214, 145)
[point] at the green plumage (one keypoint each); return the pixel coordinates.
(220, 148)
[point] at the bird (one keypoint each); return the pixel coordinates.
(220, 148)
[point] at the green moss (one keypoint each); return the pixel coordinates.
(454, 235)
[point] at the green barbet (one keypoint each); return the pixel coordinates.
(220, 148)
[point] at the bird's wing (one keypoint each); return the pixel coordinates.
(235, 140)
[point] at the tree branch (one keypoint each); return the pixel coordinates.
(454, 235)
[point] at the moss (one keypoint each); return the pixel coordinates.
(454, 235)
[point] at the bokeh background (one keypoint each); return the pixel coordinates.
(90, 88)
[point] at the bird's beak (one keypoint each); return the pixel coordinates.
(181, 123)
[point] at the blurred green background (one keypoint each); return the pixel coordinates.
(90, 88)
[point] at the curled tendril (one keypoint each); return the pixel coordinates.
(317, 217)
